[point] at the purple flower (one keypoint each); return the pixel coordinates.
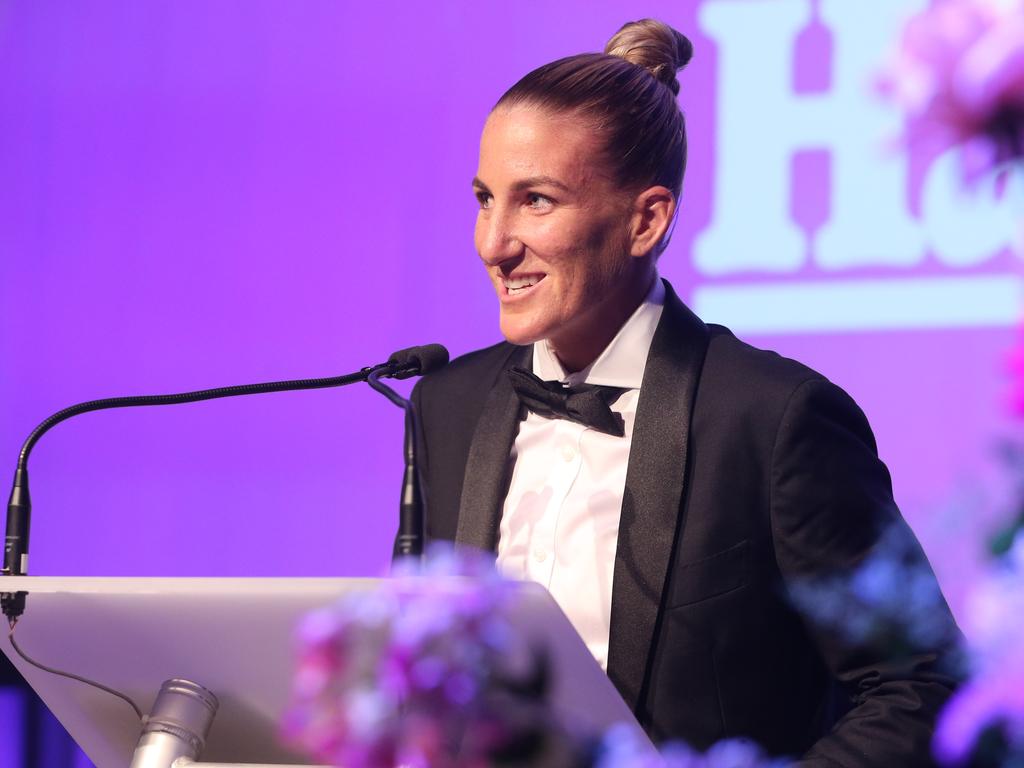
(890, 599)
(992, 700)
(959, 75)
(622, 747)
(994, 697)
(425, 671)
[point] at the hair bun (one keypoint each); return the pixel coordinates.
(655, 46)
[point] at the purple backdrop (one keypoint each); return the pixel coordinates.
(205, 193)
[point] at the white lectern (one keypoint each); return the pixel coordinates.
(233, 637)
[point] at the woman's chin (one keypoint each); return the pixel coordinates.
(521, 333)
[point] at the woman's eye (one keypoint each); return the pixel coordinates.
(484, 199)
(539, 201)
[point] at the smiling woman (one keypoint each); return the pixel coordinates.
(668, 483)
(570, 243)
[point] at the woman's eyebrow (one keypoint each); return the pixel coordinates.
(532, 181)
(540, 181)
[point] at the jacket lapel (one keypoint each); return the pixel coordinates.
(654, 492)
(486, 479)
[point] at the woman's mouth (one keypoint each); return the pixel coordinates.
(520, 285)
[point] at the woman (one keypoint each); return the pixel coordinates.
(671, 494)
(604, 143)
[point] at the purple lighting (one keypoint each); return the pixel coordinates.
(197, 194)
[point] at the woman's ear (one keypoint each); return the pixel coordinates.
(653, 210)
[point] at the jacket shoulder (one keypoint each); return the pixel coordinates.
(759, 392)
(759, 372)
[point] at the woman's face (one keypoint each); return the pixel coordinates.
(553, 229)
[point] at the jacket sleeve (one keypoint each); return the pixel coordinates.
(831, 508)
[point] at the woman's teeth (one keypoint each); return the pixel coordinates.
(516, 285)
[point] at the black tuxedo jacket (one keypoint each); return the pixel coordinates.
(746, 471)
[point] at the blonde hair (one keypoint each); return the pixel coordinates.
(655, 46)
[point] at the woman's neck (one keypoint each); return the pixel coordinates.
(577, 350)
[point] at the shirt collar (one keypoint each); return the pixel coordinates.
(622, 362)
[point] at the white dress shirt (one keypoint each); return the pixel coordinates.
(560, 521)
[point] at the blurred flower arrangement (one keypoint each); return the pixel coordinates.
(429, 671)
(958, 73)
(983, 725)
(426, 671)
(890, 601)
(619, 749)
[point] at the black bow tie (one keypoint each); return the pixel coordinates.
(587, 404)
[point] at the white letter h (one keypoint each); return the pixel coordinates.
(761, 123)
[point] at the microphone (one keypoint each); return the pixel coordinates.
(418, 361)
(402, 364)
(411, 511)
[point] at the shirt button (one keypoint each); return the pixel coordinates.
(568, 452)
(540, 555)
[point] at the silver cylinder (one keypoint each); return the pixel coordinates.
(177, 726)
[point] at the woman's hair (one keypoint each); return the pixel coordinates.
(629, 95)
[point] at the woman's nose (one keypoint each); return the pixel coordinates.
(496, 240)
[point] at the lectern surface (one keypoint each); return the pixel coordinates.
(236, 638)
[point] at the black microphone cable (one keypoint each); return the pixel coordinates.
(70, 675)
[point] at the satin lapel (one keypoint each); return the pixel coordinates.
(654, 491)
(486, 478)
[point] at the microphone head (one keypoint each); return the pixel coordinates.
(418, 361)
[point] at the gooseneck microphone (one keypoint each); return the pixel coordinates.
(411, 512)
(417, 361)
(401, 365)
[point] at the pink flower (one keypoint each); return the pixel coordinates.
(959, 75)
(996, 700)
(994, 697)
(426, 671)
